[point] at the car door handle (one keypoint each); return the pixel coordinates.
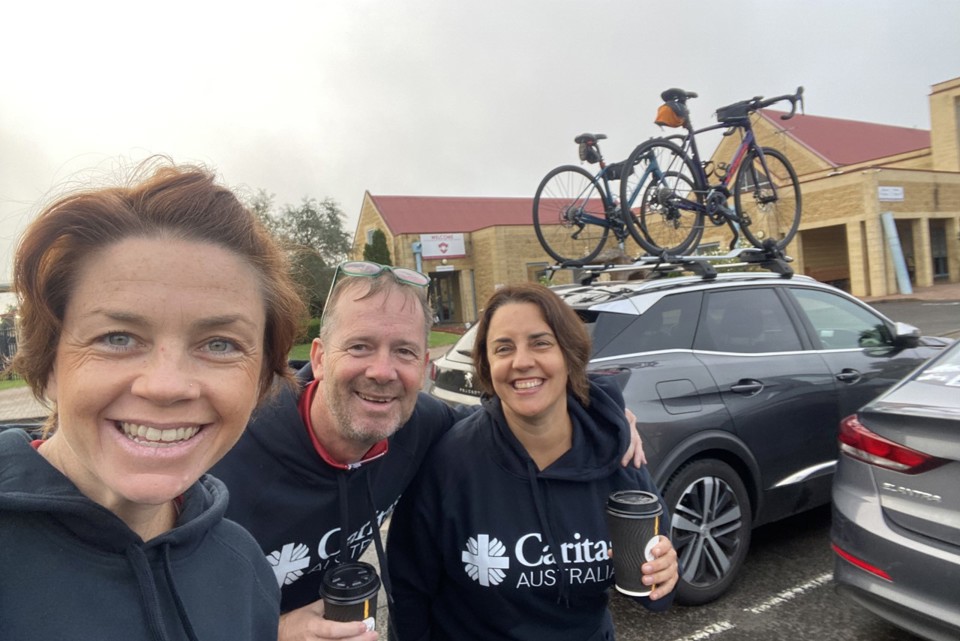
(747, 387)
(848, 375)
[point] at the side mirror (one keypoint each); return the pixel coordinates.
(905, 335)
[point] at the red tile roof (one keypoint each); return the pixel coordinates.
(439, 214)
(847, 142)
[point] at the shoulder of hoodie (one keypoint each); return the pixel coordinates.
(431, 419)
(246, 552)
(464, 441)
(238, 545)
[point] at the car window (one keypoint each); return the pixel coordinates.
(840, 323)
(747, 321)
(668, 324)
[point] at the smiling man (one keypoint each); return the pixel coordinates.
(318, 470)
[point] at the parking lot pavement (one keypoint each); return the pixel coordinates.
(18, 404)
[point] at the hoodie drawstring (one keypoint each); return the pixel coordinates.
(564, 595)
(343, 556)
(381, 553)
(374, 533)
(187, 626)
(148, 591)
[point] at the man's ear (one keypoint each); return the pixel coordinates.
(316, 358)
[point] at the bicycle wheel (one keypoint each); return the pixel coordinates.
(767, 198)
(661, 199)
(569, 215)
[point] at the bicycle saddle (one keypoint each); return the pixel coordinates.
(589, 138)
(678, 95)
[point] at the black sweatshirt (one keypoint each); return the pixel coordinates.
(486, 546)
(73, 570)
(300, 508)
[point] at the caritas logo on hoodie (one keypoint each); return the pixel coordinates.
(488, 561)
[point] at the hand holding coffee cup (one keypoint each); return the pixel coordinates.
(349, 593)
(633, 517)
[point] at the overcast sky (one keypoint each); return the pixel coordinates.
(422, 97)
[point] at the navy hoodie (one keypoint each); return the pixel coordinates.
(486, 546)
(73, 570)
(302, 510)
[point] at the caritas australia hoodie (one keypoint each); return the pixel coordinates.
(73, 570)
(486, 545)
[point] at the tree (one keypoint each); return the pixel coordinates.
(314, 230)
(376, 250)
(261, 204)
(317, 225)
(313, 234)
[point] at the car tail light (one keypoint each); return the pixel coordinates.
(860, 563)
(856, 441)
(433, 371)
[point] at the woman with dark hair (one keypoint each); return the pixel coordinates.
(503, 534)
(153, 318)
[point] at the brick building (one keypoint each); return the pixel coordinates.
(850, 173)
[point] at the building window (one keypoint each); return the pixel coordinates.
(537, 272)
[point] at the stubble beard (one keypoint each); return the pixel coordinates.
(360, 430)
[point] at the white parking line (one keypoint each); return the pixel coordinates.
(707, 632)
(792, 593)
(787, 595)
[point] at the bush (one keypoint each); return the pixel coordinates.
(312, 330)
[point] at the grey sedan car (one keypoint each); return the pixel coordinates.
(896, 502)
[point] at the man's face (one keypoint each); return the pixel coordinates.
(370, 368)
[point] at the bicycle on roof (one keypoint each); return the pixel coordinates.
(668, 197)
(574, 211)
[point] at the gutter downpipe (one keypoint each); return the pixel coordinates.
(417, 254)
(896, 252)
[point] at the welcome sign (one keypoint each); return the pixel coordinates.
(442, 246)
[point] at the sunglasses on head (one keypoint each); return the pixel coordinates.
(365, 268)
(372, 270)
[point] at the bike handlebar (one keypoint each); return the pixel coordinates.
(794, 98)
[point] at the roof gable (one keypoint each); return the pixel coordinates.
(848, 142)
(438, 214)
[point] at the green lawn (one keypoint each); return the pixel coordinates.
(15, 382)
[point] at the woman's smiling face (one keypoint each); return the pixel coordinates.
(527, 368)
(157, 368)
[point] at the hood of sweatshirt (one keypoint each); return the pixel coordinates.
(30, 484)
(600, 436)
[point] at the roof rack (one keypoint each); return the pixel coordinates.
(771, 258)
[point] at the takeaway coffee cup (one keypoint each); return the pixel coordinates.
(633, 517)
(349, 593)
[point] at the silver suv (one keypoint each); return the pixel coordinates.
(738, 382)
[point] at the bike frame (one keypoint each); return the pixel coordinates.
(688, 144)
(610, 218)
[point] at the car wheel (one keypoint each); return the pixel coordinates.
(710, 528)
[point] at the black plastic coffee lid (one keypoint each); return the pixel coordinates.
(634, 502)
(350, 581)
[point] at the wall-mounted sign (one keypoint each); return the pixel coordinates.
(444, 268)
(442, 246)
(890, 194)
